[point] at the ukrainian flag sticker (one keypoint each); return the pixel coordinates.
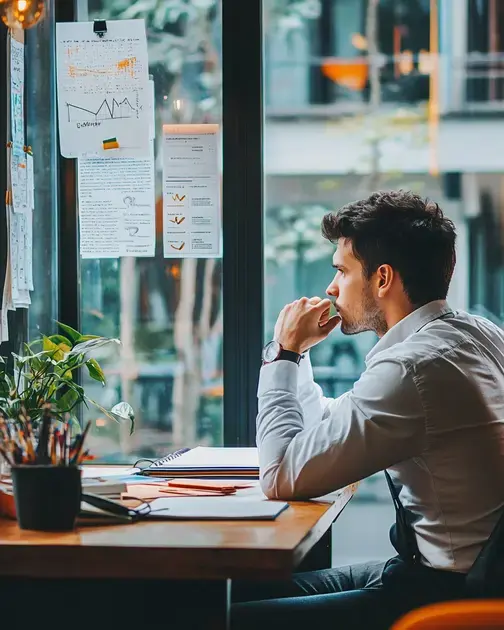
(110, 143)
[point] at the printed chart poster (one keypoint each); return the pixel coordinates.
(191, 191)
(103, 89)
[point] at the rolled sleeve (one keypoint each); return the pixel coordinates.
(377, 424)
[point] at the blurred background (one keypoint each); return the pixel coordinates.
(359, 95)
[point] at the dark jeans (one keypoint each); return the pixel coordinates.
(370, 596)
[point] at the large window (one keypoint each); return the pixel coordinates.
(358, 98)
(166, 312)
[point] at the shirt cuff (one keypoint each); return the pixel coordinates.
(305, 369)
(279, 375)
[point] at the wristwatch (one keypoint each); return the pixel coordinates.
(273, 351)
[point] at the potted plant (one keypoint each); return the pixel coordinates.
(44, 376)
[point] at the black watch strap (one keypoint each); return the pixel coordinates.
(289, 355)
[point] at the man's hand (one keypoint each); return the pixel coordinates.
(305, 323)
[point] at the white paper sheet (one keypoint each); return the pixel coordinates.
(117, 207)
(191, 191)
(19, 182)
(20, 296)
(89, 471)
(103, 88)
(13, 232)
(18, 156)
(17, 95)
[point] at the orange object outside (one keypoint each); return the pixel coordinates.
(349, 74)
(460, 615)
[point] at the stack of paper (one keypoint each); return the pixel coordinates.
(213, 462)
(103, 486)
(182, 487)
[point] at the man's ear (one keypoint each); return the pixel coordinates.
(385, 277)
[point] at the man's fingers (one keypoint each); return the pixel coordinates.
(330, 324)
(314, 300)
(323, 305)
(324, 316)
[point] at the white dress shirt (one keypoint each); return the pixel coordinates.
(429, 407)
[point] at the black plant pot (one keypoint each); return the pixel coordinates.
(47, 498)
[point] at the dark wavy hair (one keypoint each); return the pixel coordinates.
(401, 229)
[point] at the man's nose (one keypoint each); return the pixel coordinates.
(332, 289)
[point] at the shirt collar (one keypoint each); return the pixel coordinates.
(410, 324)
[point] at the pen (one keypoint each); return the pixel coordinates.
(80, 443)
(52, 449)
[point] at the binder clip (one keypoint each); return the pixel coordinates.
(100, 27)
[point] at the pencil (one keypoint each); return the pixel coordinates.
(3, 452)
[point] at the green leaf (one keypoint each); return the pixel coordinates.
(68, 401)
(124, 411)
(88, 337)
(71, 333)
(95, 371)
(56, 352)
(78, 389)
(117, 415)
(92, 344)
(60, 339)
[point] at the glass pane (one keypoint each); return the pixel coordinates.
(42, 137)
(357, 99)
(166, 312)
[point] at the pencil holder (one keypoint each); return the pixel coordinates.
(47, 498)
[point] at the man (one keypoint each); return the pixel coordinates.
(429, 407)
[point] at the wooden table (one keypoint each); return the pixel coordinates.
(168, 573)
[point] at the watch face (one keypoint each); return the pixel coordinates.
(271, 351)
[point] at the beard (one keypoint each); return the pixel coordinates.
(367, 317)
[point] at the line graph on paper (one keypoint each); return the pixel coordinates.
(108, 109)
(103, 88)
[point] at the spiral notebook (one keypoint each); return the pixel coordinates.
(208, 462)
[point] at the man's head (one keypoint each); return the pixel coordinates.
(395, 252)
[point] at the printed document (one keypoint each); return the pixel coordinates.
(103, 89)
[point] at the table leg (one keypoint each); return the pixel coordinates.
(320, 556)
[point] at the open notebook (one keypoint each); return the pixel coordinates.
(207, 461)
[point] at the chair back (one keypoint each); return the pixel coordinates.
(478, 614)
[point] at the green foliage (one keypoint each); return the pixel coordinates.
(46, 375)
